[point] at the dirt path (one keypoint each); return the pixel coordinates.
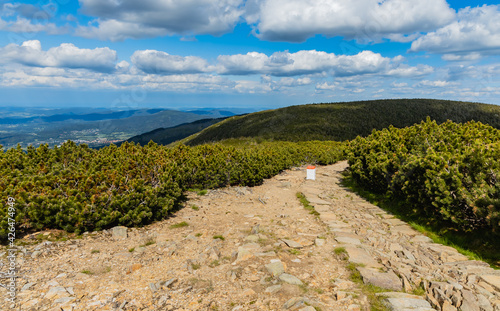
(255, 249)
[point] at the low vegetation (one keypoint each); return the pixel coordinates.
(443, 178)
(306, 204)
(78, 189)
(440, 176)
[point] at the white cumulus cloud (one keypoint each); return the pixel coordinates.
(118, 20)
(300, 63)
(158, 62)
(476, 33)
(66, 55)
(297, 20)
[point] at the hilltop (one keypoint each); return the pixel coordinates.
(343, 121)
(165, 136)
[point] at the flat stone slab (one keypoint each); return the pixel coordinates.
(397, 295)
(362, 257)
(251, 246)
(292, 244)
(290, 279)
(252, 238)
(348, 240)
(325, 209)
(408, 304)
(309, 190)
(247, 251)
(338, 226)
(493, 280)
(275, 268)
(298, 243)
(347, 234)
(467, 263)
(404, 230)
(243, 254)
(421, 239)
(56, 292)
(387, 280)
(119, 232)
(314, 200)
(273, 289)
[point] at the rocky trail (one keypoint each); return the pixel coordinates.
(257, 248)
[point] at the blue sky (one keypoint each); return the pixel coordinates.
(246, 53)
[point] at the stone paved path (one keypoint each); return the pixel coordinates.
(390, 254)
(255, 249)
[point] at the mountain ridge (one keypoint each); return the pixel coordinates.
(343, 120)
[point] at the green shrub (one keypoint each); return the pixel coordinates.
(446, 172)
(78, 189)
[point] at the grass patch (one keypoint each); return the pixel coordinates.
(264, 242)
(198, 235)
(202, 192)
(419, 291)
(294, 251)
(194, 207)
(368, 290)
(445, 240)
(149, 241)
(95, 251)
(484, 246)
(131, 249)
(214, 264)
(306, 204)
(88, 272)
(339, 251)
(355, 275)
(179, 225)
(219, 237)
(195, 266)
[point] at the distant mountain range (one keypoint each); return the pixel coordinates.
(92, 126)
(108, 115)
(328, 121)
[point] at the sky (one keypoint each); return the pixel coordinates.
(246, 53)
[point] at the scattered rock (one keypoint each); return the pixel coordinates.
(469, 302)
(290, 279)
(243, 254)
(273, 289)
(348, 240)
(361, 257)
(27, 286)
(388, 280)
(119, 232)
(292, 244)
(275, 268)
(493, 280)
(134, 267)
(252, 238)
(254, 264)
(319, 242)
(407, 304)
(295, 302)
(56, 292)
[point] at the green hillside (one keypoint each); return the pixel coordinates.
(165, 136)
(344, 121)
